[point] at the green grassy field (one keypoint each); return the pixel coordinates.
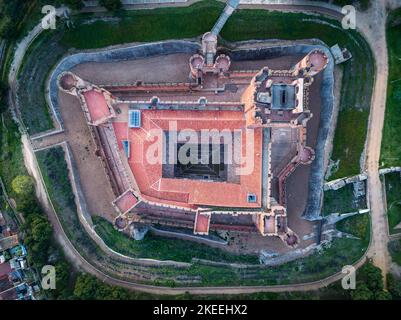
(357, 225)
(393, 194)
(193, 21)
(391, 143)
(342, 201)
(42, 54)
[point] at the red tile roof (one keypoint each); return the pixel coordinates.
(97, 105)
(188, 192)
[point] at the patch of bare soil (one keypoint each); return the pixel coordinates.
(95, 185)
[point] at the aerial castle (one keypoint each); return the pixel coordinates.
(273, 104)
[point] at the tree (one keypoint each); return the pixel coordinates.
(63, 272)
(89, 288)
(394, 286)
(362, 292)
(372, 276)
(6, 26)
(22, 185)
(41, 229)
(383, 295)
(37, 239)
(12, 13)
(111, 5)
(369, 285)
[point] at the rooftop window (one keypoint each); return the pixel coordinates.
(251, 197)
(134, 118)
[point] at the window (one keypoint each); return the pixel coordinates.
(134, 118)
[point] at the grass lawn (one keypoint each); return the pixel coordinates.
(55, 174)
(193, 21)
(393, 194)
(32, 79)
(144, 26)
(391, 143)
(162, 248)
(342, 201)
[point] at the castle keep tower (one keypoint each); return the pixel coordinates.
(206, 63)
(314, 62)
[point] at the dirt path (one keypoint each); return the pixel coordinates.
(372, 25)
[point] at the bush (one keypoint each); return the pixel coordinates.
(22, 185)
(38, 238)
(394, 286)
(88, 287)
(11, 14)
(63, 273)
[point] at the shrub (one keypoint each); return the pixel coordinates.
(394, 286)
(22, 185)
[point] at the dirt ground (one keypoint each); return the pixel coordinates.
(174, 68)
(168, 68)
(94, 182)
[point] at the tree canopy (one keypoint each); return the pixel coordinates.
(22, 185)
